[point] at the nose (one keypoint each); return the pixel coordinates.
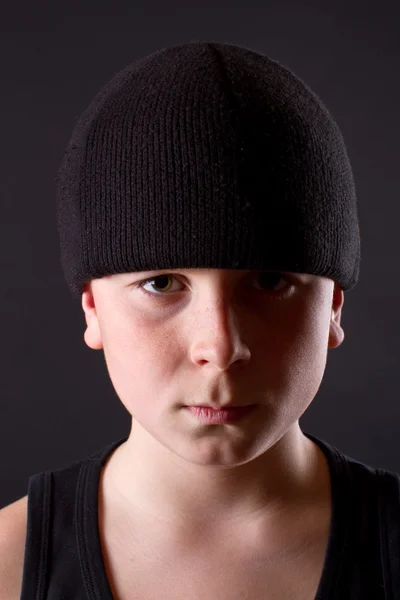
(218, 337)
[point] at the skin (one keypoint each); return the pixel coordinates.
(214, 335)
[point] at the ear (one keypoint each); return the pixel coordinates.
(336, 333)
(92, 335)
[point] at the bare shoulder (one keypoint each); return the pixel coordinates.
(13, 521)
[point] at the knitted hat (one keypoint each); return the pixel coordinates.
(207, 155)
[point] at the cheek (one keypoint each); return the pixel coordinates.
(140, 357)
(292, 341)
(301, 351)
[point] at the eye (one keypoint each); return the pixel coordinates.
(160, 278)
(269, 281)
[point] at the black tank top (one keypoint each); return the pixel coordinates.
(63, 557)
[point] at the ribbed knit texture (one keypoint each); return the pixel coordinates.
(207, 155)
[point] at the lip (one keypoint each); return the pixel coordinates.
(226, 406)
(227, 414)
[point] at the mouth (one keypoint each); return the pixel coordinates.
(220, 415)
(219, 407)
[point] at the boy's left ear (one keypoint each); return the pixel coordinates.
(336, 333)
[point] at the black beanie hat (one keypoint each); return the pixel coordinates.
(207, 155)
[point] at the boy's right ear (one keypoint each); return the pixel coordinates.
(92, 335)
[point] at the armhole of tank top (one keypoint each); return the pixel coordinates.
(389, 528)
(35, 570)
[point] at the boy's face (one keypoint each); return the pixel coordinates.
(214, 336)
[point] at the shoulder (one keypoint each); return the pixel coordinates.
(13, 522)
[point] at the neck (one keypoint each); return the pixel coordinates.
(144, 478)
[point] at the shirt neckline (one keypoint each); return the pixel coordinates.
(88, 533)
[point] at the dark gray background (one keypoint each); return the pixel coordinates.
(57, 401)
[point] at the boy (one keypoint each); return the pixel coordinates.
(208, 224)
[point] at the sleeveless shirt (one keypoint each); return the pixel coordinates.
(63, 557)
